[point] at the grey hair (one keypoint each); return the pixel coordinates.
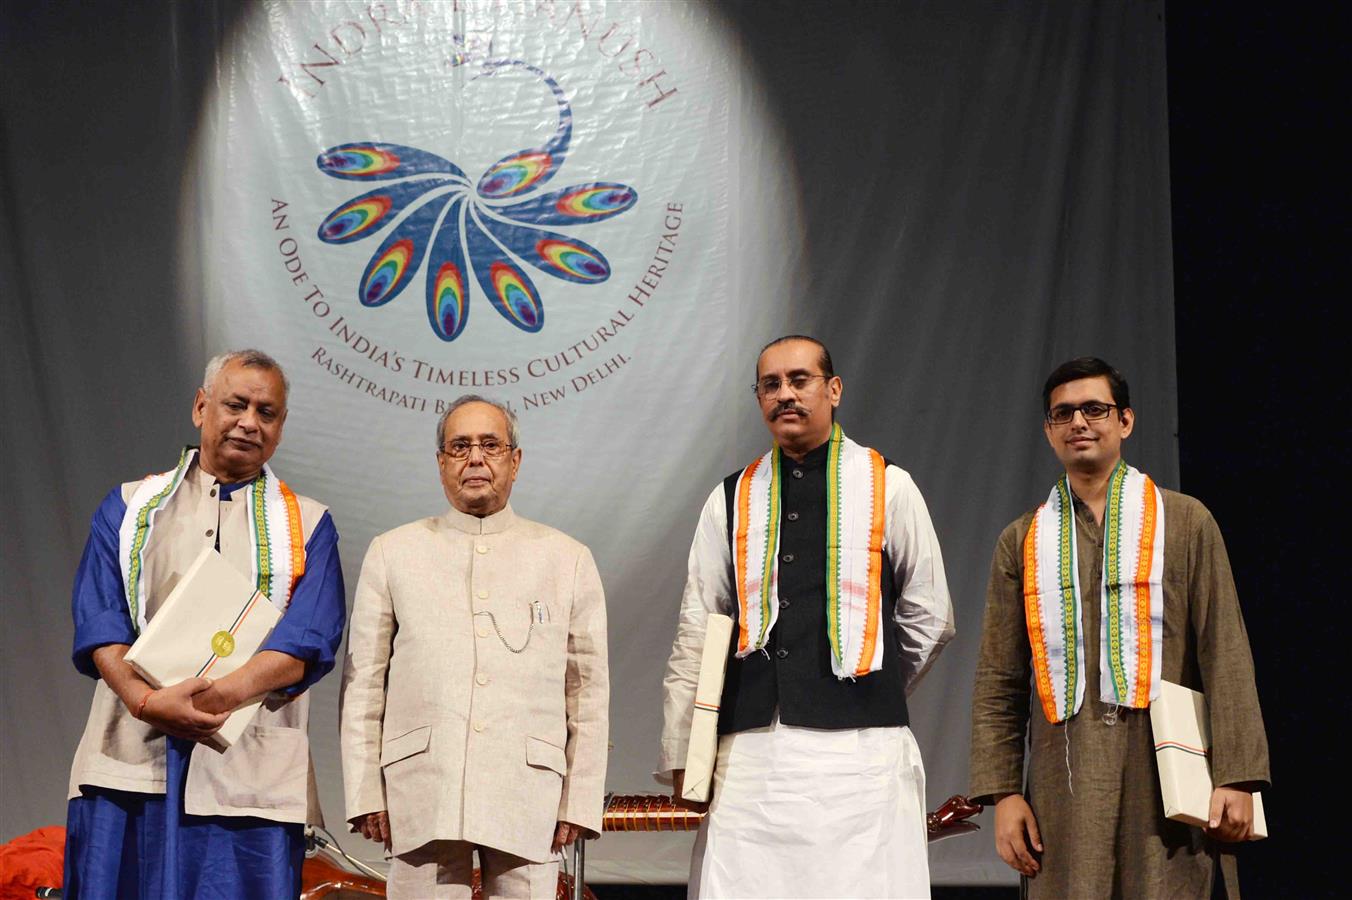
(251, 359)
(513, 426)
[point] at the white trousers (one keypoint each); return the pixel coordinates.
(807, 812)
(441, 870)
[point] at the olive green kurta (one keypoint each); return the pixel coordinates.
(1093, 785)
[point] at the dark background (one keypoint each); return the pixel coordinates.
(1256, 92)
(1255, 95)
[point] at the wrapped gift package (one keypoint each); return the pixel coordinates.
(1182, 732)
(213, 622)
(703, 749)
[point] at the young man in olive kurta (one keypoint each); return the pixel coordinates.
(1090, 821)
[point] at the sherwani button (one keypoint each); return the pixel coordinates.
(787, 557)
(797, 473)
(478, 726)
(481, 549)
(483, 595)
(793, 517)
(213, 492)
(210, 532)
(782, 652)
(481, 679)
(783, 604)
(482, 632)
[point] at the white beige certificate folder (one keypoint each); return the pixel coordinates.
(212, 622)
(703, 750)
(1179, 720)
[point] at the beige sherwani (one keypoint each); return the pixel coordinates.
(475, 691)
(268, 773)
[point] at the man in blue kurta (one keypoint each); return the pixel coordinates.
(153, 812)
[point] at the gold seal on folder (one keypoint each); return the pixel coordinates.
(222, 643)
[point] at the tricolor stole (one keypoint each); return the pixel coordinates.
(1131, 630)
(855, 515)
(277, 541)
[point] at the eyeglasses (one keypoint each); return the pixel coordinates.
(491, 448)
(770, 384)
(1092, 411)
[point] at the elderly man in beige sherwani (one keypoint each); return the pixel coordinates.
(475, 692)
(1090, 821)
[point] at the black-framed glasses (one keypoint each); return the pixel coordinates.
(770, 384)
(1092, 411)
(492, 448)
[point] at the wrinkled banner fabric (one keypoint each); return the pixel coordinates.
(596, 211)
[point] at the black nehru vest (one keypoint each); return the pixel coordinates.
(794, 674)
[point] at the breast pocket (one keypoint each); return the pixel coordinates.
(554, 610)
(517, 624)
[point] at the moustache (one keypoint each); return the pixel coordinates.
(788, 407)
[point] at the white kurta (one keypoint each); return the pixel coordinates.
(807, 812)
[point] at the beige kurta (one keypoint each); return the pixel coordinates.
(269, 773)
(1092, 785)
(475, 689)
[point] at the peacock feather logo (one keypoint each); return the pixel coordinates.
(486, 232)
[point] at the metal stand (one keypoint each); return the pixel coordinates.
(579, 863)
(312, 837)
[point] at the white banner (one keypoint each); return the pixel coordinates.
(955, 197)
(409, 201)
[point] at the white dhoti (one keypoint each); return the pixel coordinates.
(807, 812)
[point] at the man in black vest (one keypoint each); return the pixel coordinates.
(823, 553)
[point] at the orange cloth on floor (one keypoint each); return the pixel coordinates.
(32, 861)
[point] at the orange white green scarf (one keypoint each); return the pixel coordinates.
(1131, 627)
(855, 513)
(276, 538)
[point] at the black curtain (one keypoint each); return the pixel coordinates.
(1255, 94)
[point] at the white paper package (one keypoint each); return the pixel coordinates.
(210, 625)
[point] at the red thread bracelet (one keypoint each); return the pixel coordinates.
(141, 707)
